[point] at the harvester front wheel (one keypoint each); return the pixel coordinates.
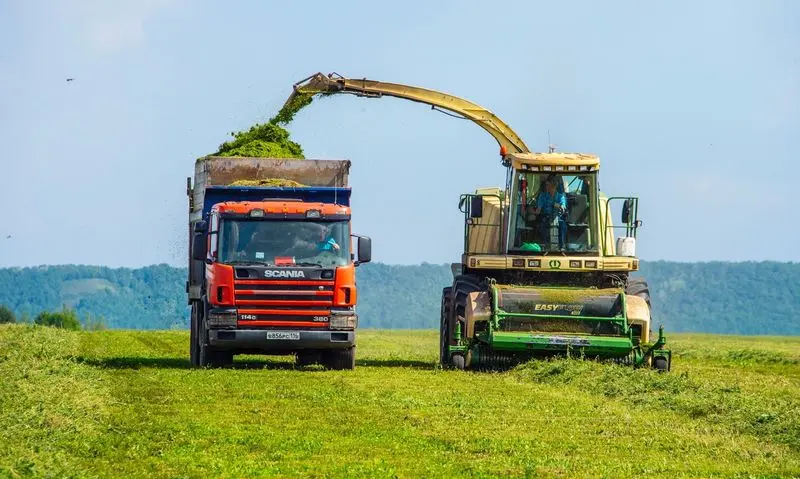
(444, 328)
(463, 285)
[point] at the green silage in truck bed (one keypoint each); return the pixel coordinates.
(268, 140)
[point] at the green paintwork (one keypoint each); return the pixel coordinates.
(533, 343)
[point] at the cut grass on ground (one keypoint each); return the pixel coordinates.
(126, 404)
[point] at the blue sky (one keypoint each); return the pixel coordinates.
(692, 105)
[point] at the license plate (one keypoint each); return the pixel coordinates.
(290, 335)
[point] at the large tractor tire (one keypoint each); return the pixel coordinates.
(444, 328)
(638, 287)
(463, 285)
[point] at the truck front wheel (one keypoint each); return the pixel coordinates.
(339, 359)
(206, 355)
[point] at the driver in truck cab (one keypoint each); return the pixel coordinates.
(320, 239)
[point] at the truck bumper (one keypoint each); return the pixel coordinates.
(279, 340)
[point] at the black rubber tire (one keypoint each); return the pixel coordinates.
(463, 285)
(444, 330)
(660, 364)
(307, 358)
(638, 287)
(340, 359)
(208, 356)
(194, 347)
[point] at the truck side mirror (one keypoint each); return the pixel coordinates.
(476, 207)
(626, 211)
(364, 249)
(200, 227)
(199, 247)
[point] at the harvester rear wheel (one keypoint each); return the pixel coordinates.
(638, 287)
(444, 329)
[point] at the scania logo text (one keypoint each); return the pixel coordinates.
(284, 273)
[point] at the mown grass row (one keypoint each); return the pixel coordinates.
(124, 403)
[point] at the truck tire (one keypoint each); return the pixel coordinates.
(339, 359)
(638, 287)
(444, 330)
(307, 358)
(194, 347)
(207, 356)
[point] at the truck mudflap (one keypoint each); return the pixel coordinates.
(280, 340)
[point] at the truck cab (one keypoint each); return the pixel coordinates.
(272, 268)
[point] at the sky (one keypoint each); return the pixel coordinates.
(694, 106)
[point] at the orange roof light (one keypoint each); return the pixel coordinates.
(503, 151)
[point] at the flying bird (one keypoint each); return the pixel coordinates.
(8, 237)
(70, 79)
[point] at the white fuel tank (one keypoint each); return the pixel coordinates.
(626, 246)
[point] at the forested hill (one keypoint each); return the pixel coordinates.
(735, 298)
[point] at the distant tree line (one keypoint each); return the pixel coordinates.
(734, 298)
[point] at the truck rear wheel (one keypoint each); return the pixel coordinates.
(339, 359)
(194, 353)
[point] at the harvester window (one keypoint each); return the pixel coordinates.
(553, 213)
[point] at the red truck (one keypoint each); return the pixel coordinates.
(272, 268)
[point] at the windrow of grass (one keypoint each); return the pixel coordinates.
(772, 415)
(50, 404)
(128, 405)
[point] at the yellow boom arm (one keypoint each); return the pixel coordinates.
(318, 83)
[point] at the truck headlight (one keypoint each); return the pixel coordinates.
(221, 318)
(343, 320)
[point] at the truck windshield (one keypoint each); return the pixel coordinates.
(280, 242)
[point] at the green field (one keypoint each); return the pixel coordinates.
(126, 404)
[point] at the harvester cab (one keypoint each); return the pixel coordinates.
(542, 270)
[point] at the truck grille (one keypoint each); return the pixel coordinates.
(283, 302)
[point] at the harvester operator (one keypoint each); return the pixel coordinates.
(551, 204)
